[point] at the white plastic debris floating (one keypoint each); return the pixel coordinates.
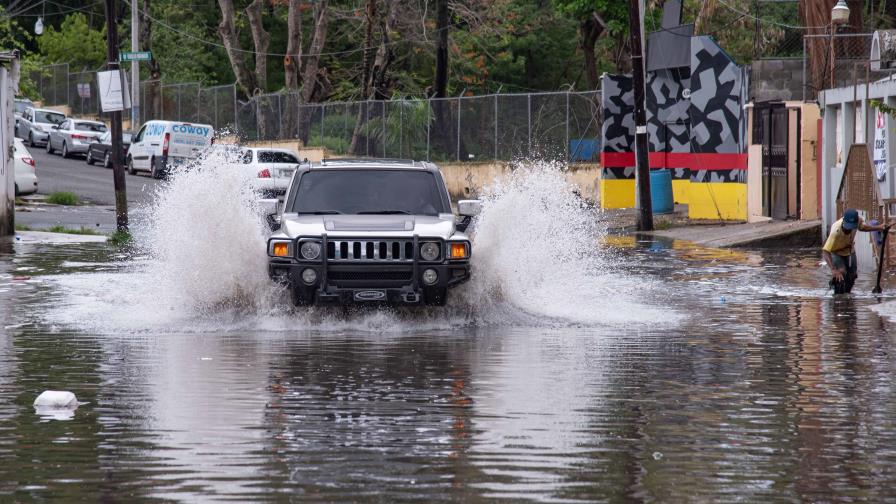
(56, 404)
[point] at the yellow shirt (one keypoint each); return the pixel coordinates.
(839, 242)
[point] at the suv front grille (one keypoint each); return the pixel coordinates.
(359, 276)
(372, 250)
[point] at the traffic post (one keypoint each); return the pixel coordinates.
(115, 102)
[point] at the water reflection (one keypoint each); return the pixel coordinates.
(777, 392)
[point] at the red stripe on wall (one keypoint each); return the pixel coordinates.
(701, 161)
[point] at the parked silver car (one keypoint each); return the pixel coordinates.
(35, 125)
(74, 136)
(355, 231)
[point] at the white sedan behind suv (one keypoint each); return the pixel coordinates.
(26, 174)
(74, 136)
(35, 125)
(272, 169)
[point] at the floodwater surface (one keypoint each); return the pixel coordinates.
(574, 367)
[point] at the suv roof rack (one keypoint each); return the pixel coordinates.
(368, 161)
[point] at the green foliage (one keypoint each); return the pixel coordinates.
(63, 198)
(184, 57)
(516, 45)
(58, 228)
(404, 127)
(14, 36)
(120, 238)
(75, 43)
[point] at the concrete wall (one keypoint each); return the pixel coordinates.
(467, 180)
(776, 79)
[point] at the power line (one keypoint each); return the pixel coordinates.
(769, 22)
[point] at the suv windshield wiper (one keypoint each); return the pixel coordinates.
(320, 212)
(384, 212)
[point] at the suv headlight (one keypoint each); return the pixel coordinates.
(309, 250)
(429, 251)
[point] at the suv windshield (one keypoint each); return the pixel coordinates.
(369, 192)
(276, 157)
(94, 127)
(48, 117)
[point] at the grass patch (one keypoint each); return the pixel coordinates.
(22, 227)
(120, 238)
(62, 229)
(20, 202)
(63, 198)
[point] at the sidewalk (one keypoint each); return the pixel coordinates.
(677, 226)
(37, 215)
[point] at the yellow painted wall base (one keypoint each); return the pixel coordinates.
(617, 193)
(681, 190)
(620, 193)
(711, 200)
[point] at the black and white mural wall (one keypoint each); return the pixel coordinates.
(695, 118)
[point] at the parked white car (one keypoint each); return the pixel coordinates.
(272, 169)
(35, 125)
(26, 170)
(74, 136)
(160, 146)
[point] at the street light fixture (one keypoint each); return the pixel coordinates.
(840, 13)
(839, 16)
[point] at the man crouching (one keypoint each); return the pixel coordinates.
(839, 250)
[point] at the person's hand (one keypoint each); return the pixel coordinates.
(838, 275)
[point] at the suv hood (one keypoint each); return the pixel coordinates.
(294, 225)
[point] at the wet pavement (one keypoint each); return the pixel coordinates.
(753, 384)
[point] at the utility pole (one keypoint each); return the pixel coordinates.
(121, 200)
(642, 170)
(135, 67)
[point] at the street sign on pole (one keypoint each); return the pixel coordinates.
(136, 56)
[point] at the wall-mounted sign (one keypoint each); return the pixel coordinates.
(113, 90)
(880, 146)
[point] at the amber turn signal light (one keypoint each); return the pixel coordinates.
(458, 250)
(281, 249)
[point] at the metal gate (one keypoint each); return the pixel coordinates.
(772, 126)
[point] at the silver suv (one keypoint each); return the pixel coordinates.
(378, 230)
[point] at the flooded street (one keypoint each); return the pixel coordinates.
(574, 366)
(757, 386)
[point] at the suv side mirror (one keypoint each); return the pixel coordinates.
(469, 208)
(270, 208)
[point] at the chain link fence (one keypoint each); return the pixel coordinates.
(555, 125)
(843, 63)
(562, 125)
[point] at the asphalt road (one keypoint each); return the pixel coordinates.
(91, 183)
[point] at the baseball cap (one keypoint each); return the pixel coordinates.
(850, 219)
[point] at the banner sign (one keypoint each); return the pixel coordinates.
(113, 90)
(880, 146)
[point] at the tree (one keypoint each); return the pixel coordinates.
(58, 45)
(599, 18)
(816, 15)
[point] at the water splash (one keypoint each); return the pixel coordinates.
(201, 266)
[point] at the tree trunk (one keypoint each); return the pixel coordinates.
(152, 109)
(312, 66)
(816, 15)
(590, 31)
(440, 86)
(365, 74)
(292, 66)
(229, 36)
(262, 40)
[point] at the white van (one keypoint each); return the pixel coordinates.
(162, 145)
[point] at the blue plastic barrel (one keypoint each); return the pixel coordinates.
(661, 191)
